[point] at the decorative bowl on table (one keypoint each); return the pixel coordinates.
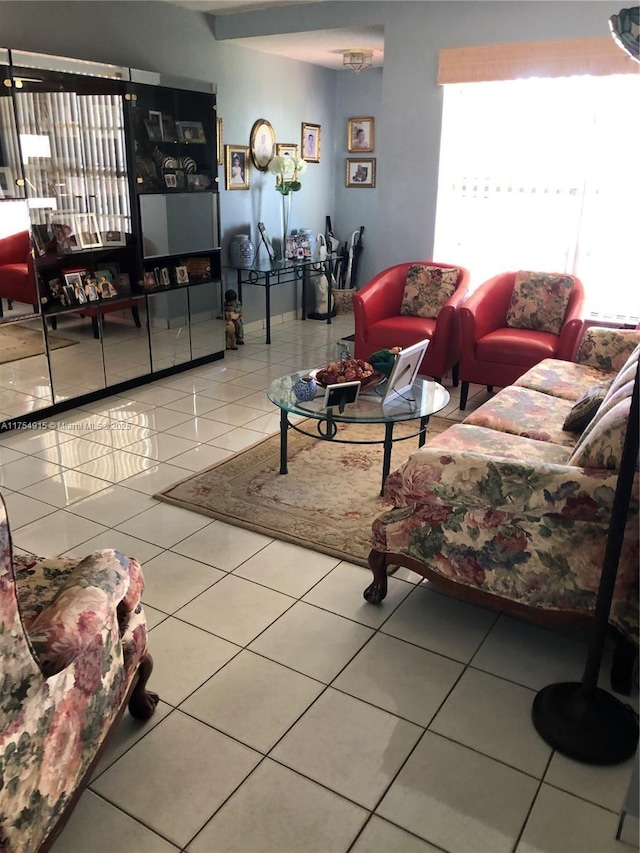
(348, 370)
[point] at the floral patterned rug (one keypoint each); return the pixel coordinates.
(326, 502)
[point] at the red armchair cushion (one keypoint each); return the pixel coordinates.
(539, 301)
(427, 289)
(516, 346)
(399, 332)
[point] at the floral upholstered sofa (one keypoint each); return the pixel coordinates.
(509, 510)
(73, 644)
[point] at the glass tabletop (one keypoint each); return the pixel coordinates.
(279, 266)
(425, 398)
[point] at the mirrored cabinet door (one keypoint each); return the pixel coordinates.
(169, 329)
(75, 356)
(125, 340)
(25, 385)
(207, 324)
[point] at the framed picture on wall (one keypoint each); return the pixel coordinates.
(360, 133)
(262, 143)
(361, 172)
(287, 149)
(237, 167)
(310, 139)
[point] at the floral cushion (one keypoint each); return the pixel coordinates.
(539, 301)
(427, 289)
(601, 447)
(562, 378)
(584, 411)
(607, 349)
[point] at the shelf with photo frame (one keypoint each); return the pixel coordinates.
(175, 271)
(175, 138)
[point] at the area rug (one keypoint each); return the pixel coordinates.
(326, 502)
(18, 342)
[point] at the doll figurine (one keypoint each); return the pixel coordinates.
(233, 325)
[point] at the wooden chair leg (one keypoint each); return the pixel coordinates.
(490, 389)
(96, 327)
(142, 703)
(53, 323)
(136, 316)
(10, 304)
(464, 393)
(377, 590)
(1, 311)
(455, 374)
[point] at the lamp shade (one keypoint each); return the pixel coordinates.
(356, 60)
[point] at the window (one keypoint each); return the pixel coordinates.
(542, 174)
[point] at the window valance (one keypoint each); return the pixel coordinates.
(557, 58)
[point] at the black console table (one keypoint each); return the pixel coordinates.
(271, 274)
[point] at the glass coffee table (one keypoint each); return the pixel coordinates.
(425, 399)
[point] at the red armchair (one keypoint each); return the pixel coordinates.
(494, 353)
(379, 324)
(17, 277)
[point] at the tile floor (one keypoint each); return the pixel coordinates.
(294, 716)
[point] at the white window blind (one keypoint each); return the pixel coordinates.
(542, 174)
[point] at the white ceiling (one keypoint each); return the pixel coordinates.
(319, 47)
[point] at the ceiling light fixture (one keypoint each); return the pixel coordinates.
(356, 60)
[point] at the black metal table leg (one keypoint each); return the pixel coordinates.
(239, 280)
(388, 444)
(423, 431)
(284, 428)
(267, 307)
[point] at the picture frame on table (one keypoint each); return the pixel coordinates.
(182, 275)
(190, 131)
(165, 276)
(361, 133)
(310, 142)
(105, 284)
(122, 284)
(63, 229)
(153, 125)
(170, 180)
(197, 182)
(87, 231)
(262, 144)
(219, 139)
(41, 238)
(237, 167)
(7, 183)
(360, 172)
(267, 241)
(149, 280)
(74, 286)
(113, 238)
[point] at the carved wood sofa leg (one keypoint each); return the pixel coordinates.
(623, 665)
(142, 703)
(377, 590)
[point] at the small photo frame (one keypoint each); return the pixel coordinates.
(405, 371)
(170, 180)
(154, 126)
(7, 183)
(63, 229)
(197, 182)
(344, 394)
(219, 136)
(286, 149)
(262, 143)
(190, 131)
(165, 277)
(87, 231)
(149, 280)
(310, 140)
(267, 240)
(237, 167)
(73, 287)
(90, 285)
(168, 128)
(360, 133)
(41, 238)
(105, 285)
(182, 275)
(361, 172)
(122, 284)
(113, 238)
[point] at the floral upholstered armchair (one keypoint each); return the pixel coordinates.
(73, 644)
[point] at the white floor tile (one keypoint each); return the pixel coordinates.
(23, 510)
(158, 419)
(98, 826)
(362, 761)
(222, 545)
(500, 726)
(317, 821)
(236, 439)
(128, 732)
(156, 478)
(286, 568)
(341, 593)
(201, 457)
(604, 786)
(161, 446)
(25, 472)
(560, 823)
(458, 799)
(173, 644)
(171, 580)
(235, 414)
(312, 641)
(235, 609)
(144, 782)
(116, 465)
(129, 545)
(380, 836)
(199, 429)
(253, 700)
(66, 488)
(57, 533)
(401, 678)
(164, 524)
(112, 505)
(440, 623)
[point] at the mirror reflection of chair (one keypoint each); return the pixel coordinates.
(515, 320)
(412, 302)
(17, 278)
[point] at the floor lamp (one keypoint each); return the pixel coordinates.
(580, 719)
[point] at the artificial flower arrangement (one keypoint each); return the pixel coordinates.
(287, 170)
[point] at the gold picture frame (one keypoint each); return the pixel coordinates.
(237, 167)
(219, 148)
(262, 143)
(310, 142)
(360, 172)
(284, 149)
(361, 133)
